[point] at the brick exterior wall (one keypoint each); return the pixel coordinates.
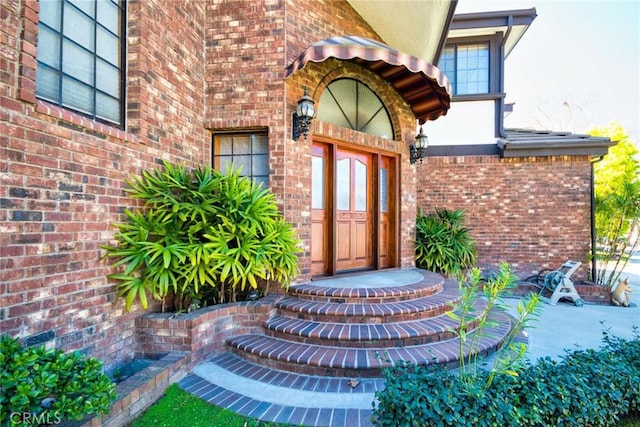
(195, 68)
(62, 175)
(533, 213)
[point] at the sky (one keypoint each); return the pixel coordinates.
(576, 67)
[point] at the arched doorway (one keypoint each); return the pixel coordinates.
(354, 189)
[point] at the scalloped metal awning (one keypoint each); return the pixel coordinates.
(421, 84)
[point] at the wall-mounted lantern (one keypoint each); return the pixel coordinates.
(416, 150)
(301, 120)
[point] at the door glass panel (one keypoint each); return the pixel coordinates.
(361, 186)
(343, 176)
(350, 103)
(317, 183)
(384, 190)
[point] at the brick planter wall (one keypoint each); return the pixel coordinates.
(202, 332)
(138, 392)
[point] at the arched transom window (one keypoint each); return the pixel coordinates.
(351, 104)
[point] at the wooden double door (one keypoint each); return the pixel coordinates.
(354, 210)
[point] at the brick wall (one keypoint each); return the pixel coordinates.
(199, 67)
(192, 68)
(533, 213)
(62, 175)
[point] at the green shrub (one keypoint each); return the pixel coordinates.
(40, 385)
(443, 244)
(472, 324)
(200, 232)
(584, 388)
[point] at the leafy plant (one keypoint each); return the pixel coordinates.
(200, 229)
(442, 242)
(586, 387)
(50, 385)
(617, 205)
(510, 356)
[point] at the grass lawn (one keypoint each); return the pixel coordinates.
(177, 408)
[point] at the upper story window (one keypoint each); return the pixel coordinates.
(467, 67)
(81, 56)
(246, 150)
(351, 104)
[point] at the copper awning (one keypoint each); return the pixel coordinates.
(421, 84)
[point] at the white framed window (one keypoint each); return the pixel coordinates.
(81, 57)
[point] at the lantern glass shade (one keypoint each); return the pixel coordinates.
(305, 106)
(421, 140)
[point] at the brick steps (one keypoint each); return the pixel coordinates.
(357, 330)
(368, 335)
(430, 284)
(371, 311)
(313, 359)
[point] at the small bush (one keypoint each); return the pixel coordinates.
(443, 244)
(584, 388)
(47, 386)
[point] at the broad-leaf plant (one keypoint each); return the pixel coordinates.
(200, 234)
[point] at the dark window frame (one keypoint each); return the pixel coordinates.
(60, 99)
(216, 157)
(495, 71)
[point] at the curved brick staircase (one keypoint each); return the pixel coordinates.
(325, 334)
(354, 331)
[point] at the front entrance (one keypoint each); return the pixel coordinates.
(353, 210)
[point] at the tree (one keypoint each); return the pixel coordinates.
(617, 207)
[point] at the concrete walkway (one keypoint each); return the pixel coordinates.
(567, 327)
(231, 382)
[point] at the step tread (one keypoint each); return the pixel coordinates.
(449, 295)
(349, 358)
(361, 331)
(430, 284)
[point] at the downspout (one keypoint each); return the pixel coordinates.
(594, 276)
(500, 108)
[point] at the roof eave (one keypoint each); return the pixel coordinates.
(418, 28)
(513, 23)
(522, 143)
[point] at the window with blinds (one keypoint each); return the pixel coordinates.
(467, 67)
(81, 56)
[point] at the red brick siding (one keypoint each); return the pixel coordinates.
(533, 213)
(63, 175)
